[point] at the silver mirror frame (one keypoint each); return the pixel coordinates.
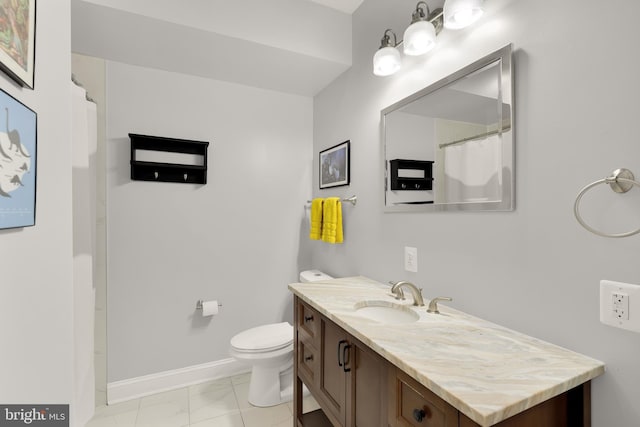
(507, 202)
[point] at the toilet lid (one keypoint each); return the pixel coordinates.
(264, 338)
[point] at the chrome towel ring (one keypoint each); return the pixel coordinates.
(620, 181)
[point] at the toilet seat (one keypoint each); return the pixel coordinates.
(265, 338)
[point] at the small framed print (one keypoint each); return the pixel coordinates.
(17, 163)
(17, 40)
(334, 165)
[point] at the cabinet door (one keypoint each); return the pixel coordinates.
(333, 372)
(368, 388)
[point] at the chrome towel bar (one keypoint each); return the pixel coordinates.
(353, 200)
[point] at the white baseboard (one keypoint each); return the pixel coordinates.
(133, 388)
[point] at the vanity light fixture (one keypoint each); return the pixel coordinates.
(461, 13)
(387, 60)
(420, 36)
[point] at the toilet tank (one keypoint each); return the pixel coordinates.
(313, 276)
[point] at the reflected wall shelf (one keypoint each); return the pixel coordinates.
(411, 175)
(168, 171)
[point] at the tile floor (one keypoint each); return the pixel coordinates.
(219, 403)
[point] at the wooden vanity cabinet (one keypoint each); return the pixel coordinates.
(348, 380)
(356, 387)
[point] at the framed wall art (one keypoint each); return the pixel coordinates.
(17, 40)
(18, 135)
(334, 166)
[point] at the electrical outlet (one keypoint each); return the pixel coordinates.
(617, 301)
(411, 259)
(620, 303)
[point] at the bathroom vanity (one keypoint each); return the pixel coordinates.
(372, 361)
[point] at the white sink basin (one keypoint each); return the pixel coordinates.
(385, 312)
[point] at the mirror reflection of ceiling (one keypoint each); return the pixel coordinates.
(222, 39)
(471, 99)
(451, 104)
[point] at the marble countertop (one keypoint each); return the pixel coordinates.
(486, 371)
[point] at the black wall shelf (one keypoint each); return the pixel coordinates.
(168, 172)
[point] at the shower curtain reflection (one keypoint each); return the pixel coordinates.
(472, 171)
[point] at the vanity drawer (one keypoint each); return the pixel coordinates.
(414, 405)
(308, 362)
(308, 320)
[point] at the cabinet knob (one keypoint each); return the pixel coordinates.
(308, 358)
(308, 318)
(418, 415)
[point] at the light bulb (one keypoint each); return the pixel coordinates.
(386, 61)
(419, 38)
(461, 13)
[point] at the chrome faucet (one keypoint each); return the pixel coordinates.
(396, 290)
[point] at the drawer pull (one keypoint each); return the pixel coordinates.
(308, 318)
(341, 353)
(345, 357)
(418, 415)
(308, 358)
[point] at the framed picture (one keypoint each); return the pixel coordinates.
(17, 163)
(334, 166)
(17, 39)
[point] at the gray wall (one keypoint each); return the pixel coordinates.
(235, 239)
(535, 269)
(36, 284)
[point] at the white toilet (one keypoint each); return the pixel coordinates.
(269, 349)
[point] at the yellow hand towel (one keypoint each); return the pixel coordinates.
(332, 220)
(316, 219)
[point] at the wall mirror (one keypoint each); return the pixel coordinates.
(450, 146)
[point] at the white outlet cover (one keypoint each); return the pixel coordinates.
(608, 315)
(411, 259)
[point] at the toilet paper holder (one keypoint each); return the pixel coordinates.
(200, 302)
